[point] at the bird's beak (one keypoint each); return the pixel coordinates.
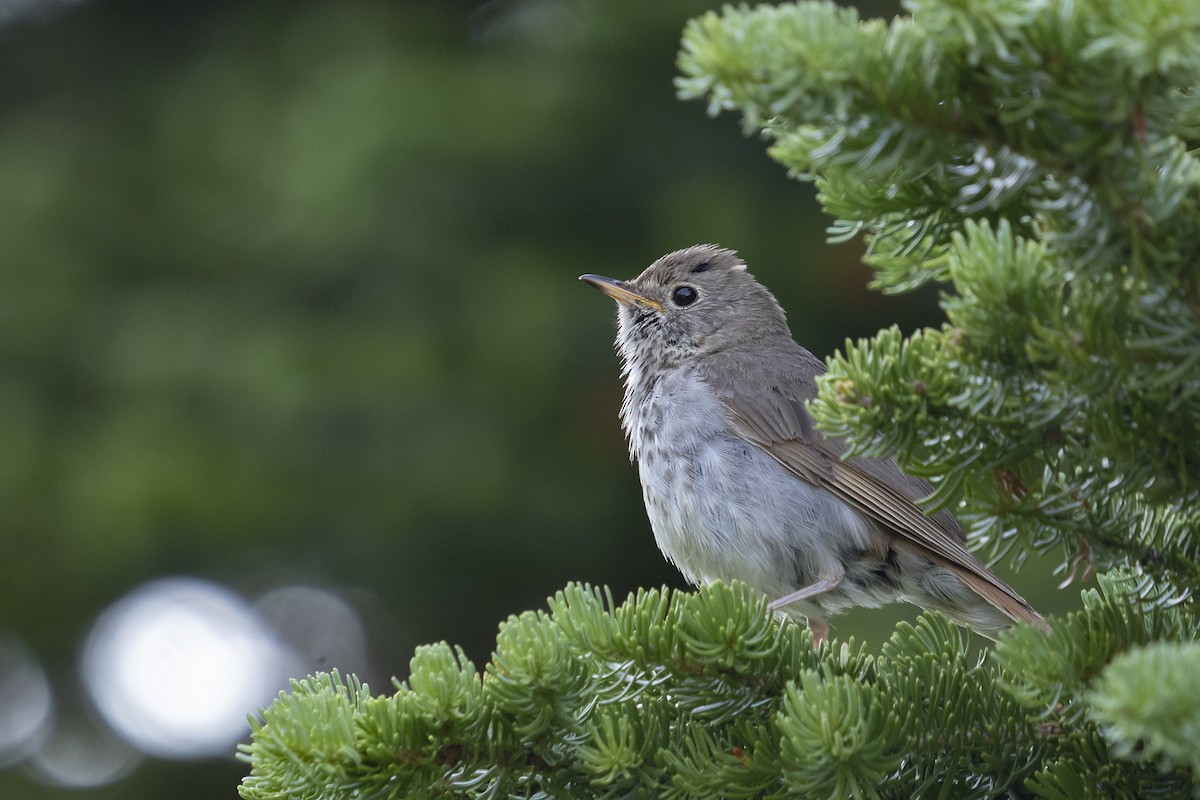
(620, 291)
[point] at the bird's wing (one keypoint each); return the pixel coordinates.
(774, 418)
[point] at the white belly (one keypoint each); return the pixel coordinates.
(722, 509)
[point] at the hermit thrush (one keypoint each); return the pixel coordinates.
(739, 483)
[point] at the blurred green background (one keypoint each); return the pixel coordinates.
(289, 309)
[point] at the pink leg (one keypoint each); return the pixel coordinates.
(820, 629)
(820, 587)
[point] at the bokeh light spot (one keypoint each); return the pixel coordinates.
(324, 630)
(25, 700)
(81, 753)
(177, 665)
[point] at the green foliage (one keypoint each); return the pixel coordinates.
(1104, 677)
(574, 705)
(1148, 705)
(1055, 671)
(319, 718)
(737, 705)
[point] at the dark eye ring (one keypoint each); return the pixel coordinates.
(684, 296)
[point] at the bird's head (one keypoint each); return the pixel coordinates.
(690, 303)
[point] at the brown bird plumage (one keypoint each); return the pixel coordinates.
(740, 484)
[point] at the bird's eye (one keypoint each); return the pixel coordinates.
(684, 296)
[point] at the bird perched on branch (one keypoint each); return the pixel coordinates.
(739, 483)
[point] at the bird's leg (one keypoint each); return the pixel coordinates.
(820, 587)
(819, 628)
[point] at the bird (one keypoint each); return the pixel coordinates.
(739, 483)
